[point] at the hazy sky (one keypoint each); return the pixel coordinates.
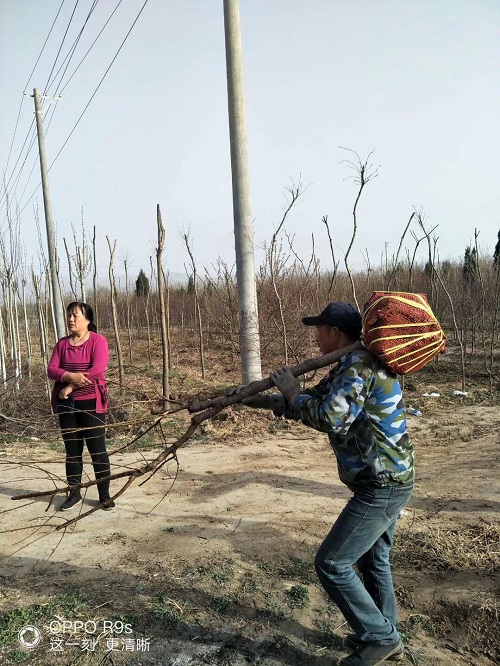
(417, 82)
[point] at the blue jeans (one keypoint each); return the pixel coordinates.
(363, 535)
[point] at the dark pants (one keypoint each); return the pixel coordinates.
(79, 424)
(363, 535)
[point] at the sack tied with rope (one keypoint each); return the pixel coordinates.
(401, 330)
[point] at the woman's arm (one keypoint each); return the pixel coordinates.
(99, 357)
(53, 370)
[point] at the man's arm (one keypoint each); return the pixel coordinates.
(337, 409)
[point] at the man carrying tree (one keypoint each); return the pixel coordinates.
(360, 405)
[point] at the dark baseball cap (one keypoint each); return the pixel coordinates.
(339, 314)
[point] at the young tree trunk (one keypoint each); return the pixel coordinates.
(62, 306)
(9, 299)
(148, 327)
(295, 191)
(80, 257)
(127, 299)
(50, 303)
(494, 327)
(42, 329)
(163, 314)
(115, 314)
(19, 365)
(197, 311)
(3, 355)
(365, 173)
(70, 270)
(94, 279)
(29, 351)
(335, 264)
(396, 258)
(167, 317)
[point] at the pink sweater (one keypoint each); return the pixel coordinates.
(91, 358)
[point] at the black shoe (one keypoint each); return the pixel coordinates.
(372, 654)
(108, 503)
(71, 501)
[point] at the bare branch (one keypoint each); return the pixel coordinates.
(364, 173)
(395, 264)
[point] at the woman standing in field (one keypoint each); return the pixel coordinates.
(80, 398)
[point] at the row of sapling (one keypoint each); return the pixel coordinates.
(463, 296)
(388, 279)
(280, 281)
(456, 293)
(391, 314)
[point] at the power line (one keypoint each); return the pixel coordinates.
(68, 58)
(36, 157)
(11, 192)
(99, 84)
(90, 100)
(73, 48)
(61, 45)
(27, 83)
(14, 185)
(6, 185)
(53, 65)
(91, 46)
(44, 44)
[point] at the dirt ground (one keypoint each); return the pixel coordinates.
(221, 571)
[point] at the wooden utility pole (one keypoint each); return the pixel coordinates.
(51, 236)
(243, 224)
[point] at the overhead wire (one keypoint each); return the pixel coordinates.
(5, 185)
(10, 192)
(71, 52)
(6, 193)
(27, 83)
(36, 160)
(60, 47)
(90, 101)
(99, 84)
(90, 48)
(67, 60)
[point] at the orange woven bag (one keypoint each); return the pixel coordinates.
(401, 330)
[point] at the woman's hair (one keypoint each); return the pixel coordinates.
(86, 310)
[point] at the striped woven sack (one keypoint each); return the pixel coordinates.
(401, 330)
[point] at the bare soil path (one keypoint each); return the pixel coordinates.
(221, 571)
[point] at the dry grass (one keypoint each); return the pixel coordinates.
(469, 548)
(464, 623)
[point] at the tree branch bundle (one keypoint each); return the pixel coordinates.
(202, 411)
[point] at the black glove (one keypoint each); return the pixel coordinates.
(272, 401)
(285, 382)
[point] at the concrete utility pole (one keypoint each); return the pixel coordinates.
(51, 236)
(243, 224)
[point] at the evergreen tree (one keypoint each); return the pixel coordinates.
(141, 285)
(470, 265)
(496, 254)
(190, 285)
(446, 268)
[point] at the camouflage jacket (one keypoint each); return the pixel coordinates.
(360, 405)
